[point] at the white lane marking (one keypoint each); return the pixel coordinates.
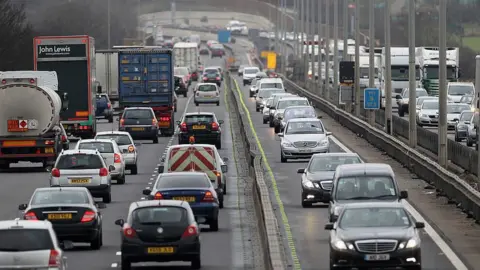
(149, 183)
(153, 175)
(147, 187)
(151, 178)
(114, 265)
(119, 253)
(444, 247)
(142, 198)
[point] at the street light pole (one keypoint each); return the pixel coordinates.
(357, 58)
(412, 93)
(302, 29)
(312, 52)
(475, 98)
(345, 30)
(442, 127)
(335, 48)
(307, 30)
(320, 35)
(327, 48)
(371, 65)
(295, 21)
(108, 25)
(388, 70)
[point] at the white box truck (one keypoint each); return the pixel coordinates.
(106, 63)
(186, 55)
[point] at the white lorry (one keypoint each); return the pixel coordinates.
(106, 64)
(30, 131)
(186, 55)
(429, 59)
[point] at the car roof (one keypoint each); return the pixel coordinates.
(271, 80)
(461, 83)
(251, 67)
(82, 151)
(345, 170)
(62, 188)
(293, 98)
(181, 174)
(377, 204)
(137, 108)
(191, 145)
(294, 120)
(149, 203)
(199, 113)
(200, 84)
(430, 101)
(97, 140)
(335, 154)
(115, 132)
(271, 89)
(25, 224)
(299, 107)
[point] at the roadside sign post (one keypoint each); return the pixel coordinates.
(477, 106)
(371, 99)
(347, 80)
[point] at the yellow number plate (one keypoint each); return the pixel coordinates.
(187, 199)
(59, 216)
(138, 129)
(49, 150)
(164, 124)
(80, 181)
(199, 127)
(160, 250)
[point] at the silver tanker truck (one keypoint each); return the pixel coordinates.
(30, 106)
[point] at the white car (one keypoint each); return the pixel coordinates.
(127, 146)
(302, 138)
(453, 113)
(249, 73)
(456, 90)
(428, 113)
(206, 93)
(110, 152)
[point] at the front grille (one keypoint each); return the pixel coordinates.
(376, 246)
(326, 185)
(433, 116)
(305, 144)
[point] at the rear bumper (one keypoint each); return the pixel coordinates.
(77, 232)
(105, 113)
(99, 191)
(184, 251)
(207, 100)
(209, 211)
(213, 81)
(148, 133)
(181, 91)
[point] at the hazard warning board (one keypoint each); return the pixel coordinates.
(17, 125)
(194, 159)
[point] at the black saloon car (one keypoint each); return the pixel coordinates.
(181, 87)
(159, 231)
(71, 210)
(140, 122)
(203, 126)
(375, 235)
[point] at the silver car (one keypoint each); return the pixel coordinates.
(302, 138)
(420, 101)
(83, 168)
(284, 103)
(206, 93)
(428, 113)
(127, 146)
(110, 152)
(453, 113)
(266, 110)
(30, 245)
(263, 94)
(293, 112)
(472, 131)
(276, 98)
(461, 128)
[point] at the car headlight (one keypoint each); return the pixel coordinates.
(336, 211)
(324, 142)
(338, 244)
(287, 144)
(308, 184)
(412, 243)
(279, 115)
(423, 115)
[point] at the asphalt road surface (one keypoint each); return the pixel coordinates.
(225, 249)
(309, 239)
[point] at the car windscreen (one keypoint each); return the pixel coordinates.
(207, 88)
(268, 93)
(211, 71)
(18, 240)
(365, 187)
(460, 90)
(421, 100)
(283, 104)
(307, 112)
(181, 71)
(466, 99)
(418, 93)
(457, 108)
(430, 105)
(138, 114)
(271, 85)
(160, 215)
(304, 127)
(118, 138)
(466, 116)
(330, 163)
(172, 180)
(193, 119)
(373, 217)
(79, 161)
(250, 71)
(60, 197)
(102, 147)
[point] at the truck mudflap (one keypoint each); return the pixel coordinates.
(194, 159)
(31, 150)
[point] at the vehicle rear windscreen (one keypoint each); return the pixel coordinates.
(210, 71)
(207, 88)
(119, 139)
(282, 104)
(138, 114)
(79, 161)
(192, 119)
(271, 85)
(60, 197)
(268, 93)
(102, 147)
(172, 180)
(159, 215)
(18, 240)
(102, 99)
(250, 71)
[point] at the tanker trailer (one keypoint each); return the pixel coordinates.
(30, 107)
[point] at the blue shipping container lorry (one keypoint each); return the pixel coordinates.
(146, 80)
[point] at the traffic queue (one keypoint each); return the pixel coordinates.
(369, 226)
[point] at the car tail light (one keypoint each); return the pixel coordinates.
(131, 149)
(103, 172)
(154, 122)
(183, 126)
(219, 177)
(30, 216)
(63, 138)
(128, 231)
(88, 216)
(214, 126)
(55, 172)
(190, 231)
(116, 158)
(109, 105)
(218, 78)
(205, 78)
(122, 122)
(158, 196)
(54, 259)
(165, 119)
(208, 197)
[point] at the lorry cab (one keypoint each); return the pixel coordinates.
(197, 158)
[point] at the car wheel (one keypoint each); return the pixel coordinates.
(196, 263)
(469, 142)
(134, 169)
(97, 241)
(401, 113)
(220, 203)
(250, 94)
(277, 129)
(456, 138)
(175, 109)
(416, 267)
(126, 265)
(107, 198)
(283, 159)
(218, 103)
(225, 189)
(155, 139)
(121, 180)
(265, 121)
(271, 124)
(110, 119)
(196, 104)
(214, 225)
(257, 109)
(185, 94)
(218, 144)
(306, 204)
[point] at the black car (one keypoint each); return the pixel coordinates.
(104, 107)
(204, 51)
(71, 210)
(159, 231)
(212, 75)
(375, 235)
(317, 178)
(181, 87)
(140, 122)
(203, 126)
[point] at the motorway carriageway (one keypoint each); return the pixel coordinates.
(304, 231)
(232, 247)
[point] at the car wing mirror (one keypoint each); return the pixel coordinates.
(119, 222)
(225, 159)
(280, 135)
(111, 168)
(224, 168)
(329, 226)
(419, 225)
(220, 122)
(161, 168)
(147, 192)
(125, 151)
(302, 170)
(403, 194)
(22, 206)
(66, 245)
(328, 133)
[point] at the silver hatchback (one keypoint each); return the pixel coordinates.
(127, 146)
(206, 93)
(30, 245)
(83, 168)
